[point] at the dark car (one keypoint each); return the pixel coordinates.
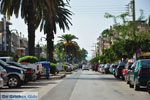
(148, 86)
(140, 73)
(126, 71)
(30, 73)
(118, 70)
(106, 68)
(16, 76)
(112, 68)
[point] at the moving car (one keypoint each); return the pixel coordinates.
(85, 67)
(139, 74)
(16, 76)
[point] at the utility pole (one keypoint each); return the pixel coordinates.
(133, 10)
(134, 18)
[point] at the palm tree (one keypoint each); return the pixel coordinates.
(59, 15)
(29, 9)
(68, 44)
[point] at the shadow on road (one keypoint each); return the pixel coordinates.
(11, 91)
(142, 89)
(40, 84)
(101, 79)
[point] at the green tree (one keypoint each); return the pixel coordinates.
(59, 15)
(68, 45)
(28, 10)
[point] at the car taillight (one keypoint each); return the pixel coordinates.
(144, 71)
(29, 71)
(37, 67)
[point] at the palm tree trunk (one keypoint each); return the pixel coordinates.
(50, 45)
(31, 29)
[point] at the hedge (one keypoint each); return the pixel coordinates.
(52, 68)
(29, 59)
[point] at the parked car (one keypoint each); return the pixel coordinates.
(16, 76)
(30, 73)
(36, 67)
(118, 70)
(102, 68)
(106, 68)
(148, 86)
(112, 68)
(71, 66)
(68, 68)
(126, 71)
(4, 75)
(140, 73)
(1, 81)
(6, 59)
(99, 67)
(85, 67)
(59, 68)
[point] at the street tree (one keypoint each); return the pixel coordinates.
(28, 11)
(68, 44)
(59, 15)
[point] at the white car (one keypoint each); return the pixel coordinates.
(85, 67)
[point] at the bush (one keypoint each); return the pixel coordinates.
(43, 59)
(65, 67)
(52, 68)
(29, 59)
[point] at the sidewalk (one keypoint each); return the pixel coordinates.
(58, 76)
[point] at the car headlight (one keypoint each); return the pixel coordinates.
(21, 71)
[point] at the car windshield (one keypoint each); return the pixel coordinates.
(123, 63)
(1, 67)
(3, 63)
(145, 63)
(17, 64)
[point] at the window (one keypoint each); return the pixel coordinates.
(145, 63)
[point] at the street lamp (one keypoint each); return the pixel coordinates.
(9, 42)
(46, 48)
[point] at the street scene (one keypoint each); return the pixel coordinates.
(74, 50)
(83, 85)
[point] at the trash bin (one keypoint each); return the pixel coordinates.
(46, 68)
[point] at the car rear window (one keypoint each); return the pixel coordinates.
(145, 63)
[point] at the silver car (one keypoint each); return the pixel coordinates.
(1, 81)
(4, 75)
(85, 67)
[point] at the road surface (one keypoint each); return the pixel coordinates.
(89, 85)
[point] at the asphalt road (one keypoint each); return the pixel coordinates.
(89, 85)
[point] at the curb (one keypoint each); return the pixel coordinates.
(58, 77)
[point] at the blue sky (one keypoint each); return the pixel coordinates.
(88, 19)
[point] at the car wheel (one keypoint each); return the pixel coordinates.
(148, 87)
(136, 87)
(127, 82)
(131, 86)
(123, 78)
(14, 81)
